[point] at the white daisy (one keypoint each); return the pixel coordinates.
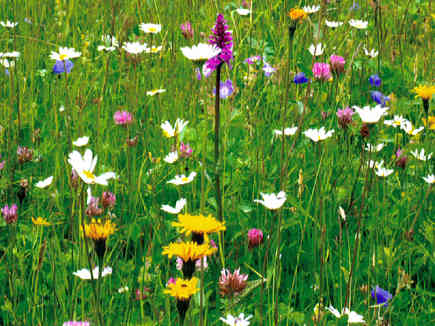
(371, 115)
(134, 47)
(360, 24)
(200, 52)
(153, 49)
(407, 127)
(397, 121)
(84, 166)
(318, 134)
(383, 172)
(179, 205)
(429, 179)
(150, 28)
(123, 289)
(373, 164)
(182, 179)
(171, 157)
(287, 131)
(13, 54)
(272, 201)
(316, 50)
(44, 183)
(155, 91)
(311, 9)
(333, 24)
(170, 131)
(8, 24)
(6, 63)
(372, 53)
(81, 141)
(65, 54)
(241, 320)
(352, 316)
(374, 148)
(110, 43)
(243, 11)
(85, 274)
(421, 155)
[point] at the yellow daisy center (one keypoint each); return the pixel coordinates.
(63, 56)
(152, 29)
(185, 179)
(89, 175)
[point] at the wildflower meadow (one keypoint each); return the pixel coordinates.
(217, 162)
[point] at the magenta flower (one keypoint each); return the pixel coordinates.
(171, 281)
(255, 237)
(345, 117)
(322, 71)
(337, 63)
(223, 39)
(2, 164)
(187, 30)
(401, 159)
(10, 214)
(253, 60)
(123, 118)
(108, 199)
(141, 295)
(185, 150)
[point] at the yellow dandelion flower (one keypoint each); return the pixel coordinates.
(297, 14)
(198, 224)
(40, 221)
(182, 289)
(431, 122)
(188, 250)
(97, 230)
(425, 92)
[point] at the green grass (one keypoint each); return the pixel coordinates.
(311, 260)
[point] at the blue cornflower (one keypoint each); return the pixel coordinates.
(382, 296)
(375, 80)
(379, 98)
(60, 66)
(300, 78)
(226, 89)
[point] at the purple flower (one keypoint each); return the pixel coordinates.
(322, 70)
(379, 98)
(345, 117)
(337, 63)
(375, 80)
(123, 117)
(187, 30)
(226, 89)
(10, 214)
(198, 73)
(223, 39)
(300, 78)
(255, 237)
(382, 296)
(2, 164)
(253, 60)
(268, 69)
(60, 66)
(401, 160)
(355, 6)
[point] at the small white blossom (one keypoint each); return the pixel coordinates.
(429, 179)
(421, 155)
(155, 91)
(241, 320)
(85, 274)
(397, 121)
(372, 53)
(150, 28)
(243, 11)
(371, 115)
(383, 172)
(134, 47)
(318, 134)
(333, 24)
(374, 148)
(316, 50)
(171, 157)
(8, 24)
(352, 316)
(311, 9)
(272, 201)
(81, 141)
(287, 131)
(65, 54)
(200, 52)
(360, 24)
(182, 179)
(179, 205)
(44, 183)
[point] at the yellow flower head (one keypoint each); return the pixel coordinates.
(182, 289)
(188, 250)
(40, 221)
(425, 92)
(297, 14)
(431, 122)
(198, 224)
(97, 230)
